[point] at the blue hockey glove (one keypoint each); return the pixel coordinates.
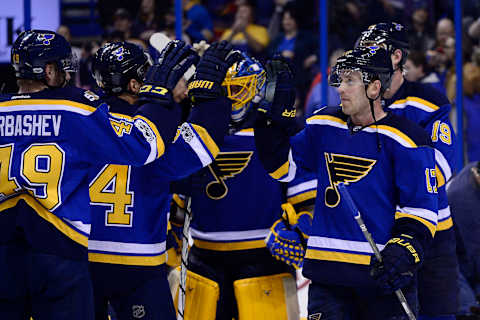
(279, 103)
(402, 256)
(287, 238)
(163, 76)
(211, 71)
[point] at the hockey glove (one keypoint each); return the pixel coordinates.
(211, 71)
(279, 103)
(402, 256)
(163, 76)
(287, 238)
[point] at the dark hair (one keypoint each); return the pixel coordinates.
(418, 58)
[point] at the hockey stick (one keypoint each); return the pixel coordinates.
(356, 214)
(183, 266)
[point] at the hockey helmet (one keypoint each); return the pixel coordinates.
(372, 62)
(34, 49)
(244, 84)
(391, 36)
(116, 63)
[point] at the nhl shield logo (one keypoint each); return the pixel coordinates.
(138, 311)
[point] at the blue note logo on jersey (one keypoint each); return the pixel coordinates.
(346, 169)
(226, 165)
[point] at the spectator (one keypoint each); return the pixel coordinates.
(148, 19)
(471, 107)
(420, 36)
(300, 46)
(122, 21)
(244, 34)
(464, 198)
(416, 69)
(199, 25)
(314, 96)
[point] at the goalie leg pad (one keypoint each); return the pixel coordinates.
(267, 298)
(201, 298)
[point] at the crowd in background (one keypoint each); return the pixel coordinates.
(290, 28)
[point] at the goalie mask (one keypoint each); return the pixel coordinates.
(244, 84)
(372, 62)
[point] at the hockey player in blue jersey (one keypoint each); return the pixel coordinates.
(50, 136)
(234, 202)
(127, 243)
(388, 165)
(430, 109)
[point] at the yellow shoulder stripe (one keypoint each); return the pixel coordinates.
(431, 227)
(398, 133)
(325, 117)
(47, 102)
(418, 100)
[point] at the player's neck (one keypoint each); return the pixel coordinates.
(130, 98)
(397, 81)
(365, 117)
(30, 86)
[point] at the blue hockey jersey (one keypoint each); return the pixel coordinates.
(238, 202)
(390, 172)
(430, 109)
(50, 139)
(130, 204)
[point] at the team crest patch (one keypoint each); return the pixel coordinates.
(187, 133)
(138, 311)
(346, 169)
(226, 165)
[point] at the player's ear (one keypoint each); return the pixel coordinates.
(373, 89)
(134, 86)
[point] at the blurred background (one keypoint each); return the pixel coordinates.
(311, 32)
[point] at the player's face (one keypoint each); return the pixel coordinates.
(352, 93)
(180, 91)
(55, 77)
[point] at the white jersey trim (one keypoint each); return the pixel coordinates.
(124, 247)
(420, 212)
(229, 235)
(443, 164)
(340, 244)
(307, 185)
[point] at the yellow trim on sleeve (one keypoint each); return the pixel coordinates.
(280, 172)
(303, 197)
(127, 260)
(179, 201)
(398, 133)
(47, 215)
(123, 116)
(229, 246)
(419, 100)
(246, 130)
(338, 256)
(445, 224)
(69, 103)
(207, 140)
(160, 144)
(440, 177)
(427, 223)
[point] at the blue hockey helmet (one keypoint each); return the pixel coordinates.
(34, 49)
(391, 36)
(245, 84)
(116, 63)
(372, 62)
